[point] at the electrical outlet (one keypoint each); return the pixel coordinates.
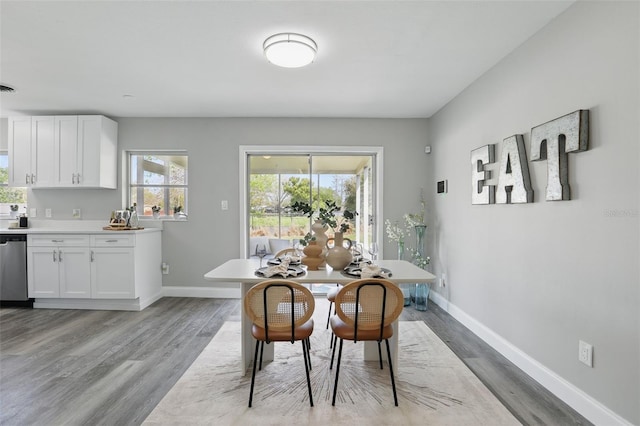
(33, 212)
(585, 353)
(47, 213)
(443, 280)
(76, 213)
(224, 204)
(165, 268)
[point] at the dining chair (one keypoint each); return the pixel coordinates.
(280, 311)
(284, 252)
(365, 311)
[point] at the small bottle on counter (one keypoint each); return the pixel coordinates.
(133, 221)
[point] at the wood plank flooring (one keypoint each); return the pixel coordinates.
(76, 367)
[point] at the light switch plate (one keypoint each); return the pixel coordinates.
(33, 212)
(47, 213)
(76, 213)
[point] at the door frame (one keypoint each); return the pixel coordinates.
(246, 150)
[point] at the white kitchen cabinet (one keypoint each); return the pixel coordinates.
(66, 152)
(112, 267)
(58, 266)
(63, 151)
(97, 270)
(31, 150)
(86, 155)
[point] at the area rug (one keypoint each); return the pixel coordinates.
(434, 386)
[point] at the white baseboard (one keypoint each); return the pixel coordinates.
(584, 404)
(99, 304)
(208, 292)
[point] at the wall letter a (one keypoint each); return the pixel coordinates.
(514, 183)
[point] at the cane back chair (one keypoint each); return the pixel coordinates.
(365, 311)
(280, 311)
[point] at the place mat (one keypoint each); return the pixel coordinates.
(292, 271)
(278, 260)
(356, 272)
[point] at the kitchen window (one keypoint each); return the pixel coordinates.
(158, 178)
(10, 196)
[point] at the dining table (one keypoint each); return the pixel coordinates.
(243, 273)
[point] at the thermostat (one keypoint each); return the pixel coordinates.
(442, 187)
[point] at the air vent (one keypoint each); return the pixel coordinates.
(6, 89)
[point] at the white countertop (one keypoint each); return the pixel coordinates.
(68, 227)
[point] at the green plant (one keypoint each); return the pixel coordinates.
(327, 215)
(14, 207)
(177, 209)
(156, 209)
(304, 241)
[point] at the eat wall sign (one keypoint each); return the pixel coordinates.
(552, 141)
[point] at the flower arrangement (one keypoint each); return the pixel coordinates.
(397, 233)
(156, 209)
(177, 209)
(14, 207)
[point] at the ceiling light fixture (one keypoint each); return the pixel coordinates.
(290, 50)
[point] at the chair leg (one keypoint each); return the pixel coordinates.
(393, 381)
(307, 344)
(307, 367)
(261, 351)
(334, 340)
(380, 354)
(253, 375)
(335, 386)
(329, 316)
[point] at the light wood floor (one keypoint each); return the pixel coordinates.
(112, 368)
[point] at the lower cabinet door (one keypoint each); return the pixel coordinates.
(75, 272)
(42, 272)
(112, 273)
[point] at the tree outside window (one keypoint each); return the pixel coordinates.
(10, 195)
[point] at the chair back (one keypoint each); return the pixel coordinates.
(279, 304)
(369, 303)
(284, 252)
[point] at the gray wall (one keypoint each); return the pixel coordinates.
(546, 274)
(211, 236)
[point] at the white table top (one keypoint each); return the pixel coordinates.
(243, 271)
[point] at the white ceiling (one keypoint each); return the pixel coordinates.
(204, 58)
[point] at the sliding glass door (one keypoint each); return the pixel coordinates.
(277, 181)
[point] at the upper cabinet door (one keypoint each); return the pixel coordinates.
(97, 152)
(42, 151)
(19, 140)
(66, 150)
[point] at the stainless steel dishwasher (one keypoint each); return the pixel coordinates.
(13, 270)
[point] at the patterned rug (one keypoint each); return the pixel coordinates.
(434, 386)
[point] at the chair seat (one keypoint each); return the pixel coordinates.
(345, 331)
(300, 333)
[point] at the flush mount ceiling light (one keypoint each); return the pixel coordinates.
(290, 50)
